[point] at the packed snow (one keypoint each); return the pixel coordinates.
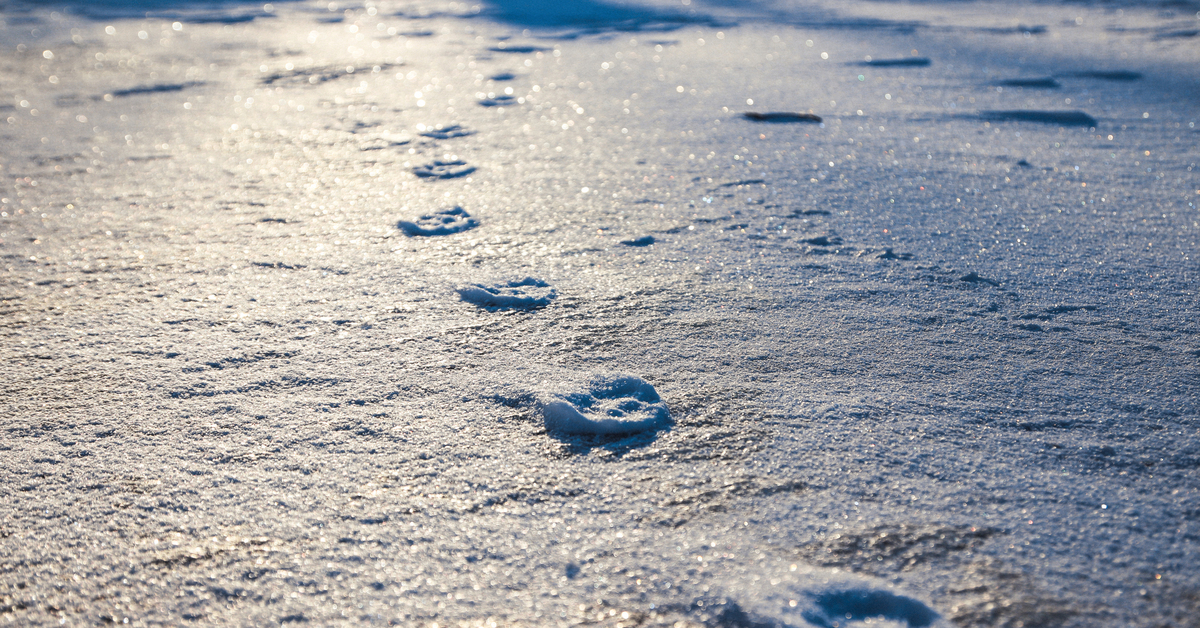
(611, 313)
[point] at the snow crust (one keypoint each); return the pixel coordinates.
(296, 332)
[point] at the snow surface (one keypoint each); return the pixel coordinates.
(933, 360)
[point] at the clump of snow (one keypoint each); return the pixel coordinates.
(521, 293)
(445, 222)
(610, 404)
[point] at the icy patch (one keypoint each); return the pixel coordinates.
(448, 132)
(1063, 118)
(910, 62)
(613, 404)
(444, 170)
(498, 101)
(445, 222)
(781, 116)
(523, 293)
(642, 241)
(1034, 83)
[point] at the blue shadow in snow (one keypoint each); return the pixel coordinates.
(591, 16)
(192, 12)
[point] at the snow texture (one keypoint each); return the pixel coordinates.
(521, 293)
(610, 405)
(934, 360)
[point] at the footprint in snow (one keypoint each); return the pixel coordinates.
(443, 170)
(445, 222)
(609, 405)
(802, 599)
(524, 293)
(448, 132)
(842, 606)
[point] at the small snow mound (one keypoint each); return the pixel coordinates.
(522, 293)
(614, 404)
(445, 222)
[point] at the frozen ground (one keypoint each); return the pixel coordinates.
(931, 361)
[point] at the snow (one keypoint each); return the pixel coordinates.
(939, 351)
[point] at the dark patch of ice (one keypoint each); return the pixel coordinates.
(498, 101)
(591, 15)
(445, 222)
(321, 74)
(781, 116)
(1064, 118)
(642, 241)
(973, 277)
(524, 50)
(1033, 83)
(1178, 34)
(448, 132)
(825, 240)
(1108, 75)
(1019, 29)
(153, 89)
(909, 62)
(737, 183)
(503, 76)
